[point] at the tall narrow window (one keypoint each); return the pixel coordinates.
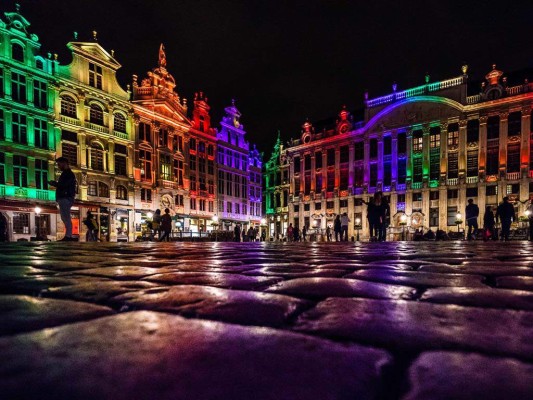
(68, 107)
(493, 127)
(165, 164)
(514, 123)
(41, 174)
(40, 131)
(453, 135)
(18, 87)
(402, 170)
(2, 168)
(96, 115)
(513, 157)
(472, 163)
(387, 173)
(17, 52)
(453, 166)
(145, 158)
(121, 166)
(69, 148)
(95, 76)
(402, 143)
(373, 148)
(39, 94)
(20, 171)
(373, 175)
(97, 157)
(121, 192)
(472, 131)
(145, 134)
(20, 134)
(2, 90)
(387, 145)
(119, 123)
(2, 126)
(492, 160)
(359, 151)
(418, 140)
(417, 169)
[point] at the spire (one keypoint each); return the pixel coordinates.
(162, 57)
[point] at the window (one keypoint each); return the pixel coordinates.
(307, 162)
(20, 171)
(418, 137)
(192, 163)
(318, 159)
(471, 192)
(359, 151)
(95, 76)
(492, 158)
(39, 64)
(119, 123)
(41, 174)
(192, 144)
(344, 154)
(163, 137)
(472, 131)
(178, 172)
(17, 52)
(96, 115)
(18, 87)
(493, 127)
(2, 168)
(373, 175)
(453, 135)
(211, 206)
(387, 173)
(92, 188)
(210, 167)
(373, 148)
(387, 145)
(146, 195)
(472, 163)
(433, 217)
(296, 163)
(331, 157)
(220, 206)
(434, 163)
(145, 157)
(296, 208)
(121, 166)
(342, 204)
(165, 165)
(514, 126)
(237, 208)
(229, 184)
(40, 133)
(70, 152)
(402, 143)
(192, 185)
(513, 189)
(201, 203)
(21, 223)
(331, 181)
(402, 170)
(145, 132)
(2, 82)
(513, 157)
(210, 150)
(491, 190)
(39, 94)
(193, 204)
(434, 137)
(229, 207)
(453, 193)
(452, 214)
(434, 195)
(20, 134)
(97, 157)
(2, 126)
(122, 192)
(417, 196)
(68, 107)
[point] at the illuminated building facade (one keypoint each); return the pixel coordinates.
(161, 126)
(255, 205)
(428, 149)
(27, 135)
(94, 120)
(233, 158)
(276, 194)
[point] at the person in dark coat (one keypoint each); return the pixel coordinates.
(471, 215)
(385, 216)
(237, 232)
(166, 225)
(65, 193)
(488, 224)
(337, 228)
(505, 214)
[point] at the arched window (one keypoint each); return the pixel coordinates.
(39, 64)
(120, 123)
(97, 157)
(99, 189)
(17, 52)
(96, 115)
(122, 193)
(68, 106)
(92, 188)
(103, 190)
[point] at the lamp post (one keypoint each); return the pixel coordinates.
(214, 224)
(403, 222)
(357, 227)
(38, 236)
(458, 221)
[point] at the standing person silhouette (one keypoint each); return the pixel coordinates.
(65, 194)
(505, 214)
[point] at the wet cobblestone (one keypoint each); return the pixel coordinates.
(404, 320)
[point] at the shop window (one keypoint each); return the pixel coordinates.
(21, 223)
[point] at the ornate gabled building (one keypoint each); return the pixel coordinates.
(255, 206)
(428, 149)
(94, 121)
(202, 167)
(27, 136)
(233, 157)
(276, 192)
(162, 146)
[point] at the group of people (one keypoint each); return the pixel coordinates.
(294, 234)
(250, 235)
(160, 225)
(378, 215)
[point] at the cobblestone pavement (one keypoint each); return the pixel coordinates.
(404, 320)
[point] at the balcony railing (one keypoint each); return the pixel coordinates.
(95, 127)
(472, 179)
(512, 176)
(27, 193)
(122, 135)
(417, 185)
(452, 181)
(400, 187)
(70, 120)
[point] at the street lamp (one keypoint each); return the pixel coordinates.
(357, 227)
(214, 224)
(458, 220)
(403, 222)
(263, 229)
(38, 236)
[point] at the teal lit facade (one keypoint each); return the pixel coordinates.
(27, 135)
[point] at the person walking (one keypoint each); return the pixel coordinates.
(345, 220)
(92, 227)
(488, 224)
(290, 233)
(304, 234)
(530, 216)
(375, 215)
(337, 228)
(65, 194)
(505, 214)
(328, 233)
(237, 233)
(156, 225)
(296, 234)
(471, 215)
(166, 226)
(385, 219)
(251, 234)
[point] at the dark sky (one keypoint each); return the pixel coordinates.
(284, 61)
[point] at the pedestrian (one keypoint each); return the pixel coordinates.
(328, 233)
(345, 220)
(290, 233)
(4, 233)
(65, 193)
(263, 235)
(244, 234)
(237, 233)
(156, 224)
(166, 226)
(251, 234)
(385, 218)
(530, 216)
(337, 228)
(92, 227)
(488, 224)
(471, 215)
(505, 214)
(375, 214)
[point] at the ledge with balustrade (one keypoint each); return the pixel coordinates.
(509, 91)
(27, 193)
(96, 127)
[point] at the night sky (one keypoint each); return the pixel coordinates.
(285, 61)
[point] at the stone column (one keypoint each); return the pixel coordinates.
(366, 163)
(131, 161)
(502, 163)
(524, 141)
(111, 157)
(337, 170)
(443, 208)
(7, 84)
(425, 159)
(30, 130)
(8, 125)
(462, 151)
(482, 146)
(351, 158)
(29, 91)
(313, 174)
(409, 162)
(82, 147)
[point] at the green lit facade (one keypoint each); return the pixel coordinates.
(27, 136)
